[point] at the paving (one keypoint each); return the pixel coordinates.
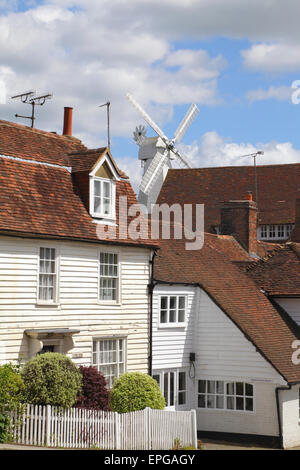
(205, 445)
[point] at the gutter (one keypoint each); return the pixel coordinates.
(151, 286)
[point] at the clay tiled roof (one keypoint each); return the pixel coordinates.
(235, 293)
(86, 160)
(279, 273)
(33, 144)
(44, 181)
(40, 200)
(278, 189)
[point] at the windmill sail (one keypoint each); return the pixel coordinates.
(153, 172)
(147, 118)
(185, 123)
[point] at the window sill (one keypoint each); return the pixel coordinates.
(111, 221)
(172, 325)
(109, 302)
(47, 304)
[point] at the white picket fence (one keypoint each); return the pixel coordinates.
(79, 428)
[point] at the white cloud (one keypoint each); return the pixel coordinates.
(276, 57)
(280, 93)
(215, 150)
(91, 54)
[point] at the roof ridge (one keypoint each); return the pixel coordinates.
(39, 131)
(231, 166)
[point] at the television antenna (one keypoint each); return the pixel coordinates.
(254, 155)
(29, 98)
(108, 121)
(156, 167)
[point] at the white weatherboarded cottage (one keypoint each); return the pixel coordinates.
(220, 346)
(63, 285)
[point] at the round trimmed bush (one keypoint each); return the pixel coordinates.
(135, 391)
(51, 379)
(94, 393)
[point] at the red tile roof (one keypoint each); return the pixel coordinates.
(279, 273)
(33, 144)
(236, 294)
(39, 195)
(278, 189)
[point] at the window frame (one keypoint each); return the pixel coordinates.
(55, 300)
(101, 215)
(226, 395)
(118, 299)
(175, 324)
(97, 364)
(265, 231)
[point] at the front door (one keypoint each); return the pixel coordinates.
(173, 384)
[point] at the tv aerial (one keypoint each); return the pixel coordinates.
(30, 98)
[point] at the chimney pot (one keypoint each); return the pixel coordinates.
(249, 196)
(68, 112)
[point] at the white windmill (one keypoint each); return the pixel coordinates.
(157, 153)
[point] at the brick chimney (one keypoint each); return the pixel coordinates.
(295, 235)
(239, 219)
(68, 112)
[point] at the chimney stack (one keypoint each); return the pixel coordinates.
(295, 235)
(239, 219)
(68, 112)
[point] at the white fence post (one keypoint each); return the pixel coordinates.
(48, 425)
(194, 429)
(117, 431)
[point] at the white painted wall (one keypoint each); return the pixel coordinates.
(263, 421)
(291, 306)
(222, 349)
(289, 405)
(222, 353)
(172, 346)
(78, 306)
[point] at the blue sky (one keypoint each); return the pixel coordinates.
(235, 60)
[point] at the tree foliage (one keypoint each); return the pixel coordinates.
(135, 391)
(94, 393)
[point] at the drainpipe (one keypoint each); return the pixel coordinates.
(150, 290)
(277, 390)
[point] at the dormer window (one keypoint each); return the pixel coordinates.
(103, 191)
(103, 198)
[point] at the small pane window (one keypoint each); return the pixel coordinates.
(172, 310)
(109, 276)
(109, 358)
(102, 197)
(47, 275)
(221, 395)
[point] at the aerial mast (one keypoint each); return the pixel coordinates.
(29, 98)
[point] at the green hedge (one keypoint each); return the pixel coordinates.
(11, 395)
